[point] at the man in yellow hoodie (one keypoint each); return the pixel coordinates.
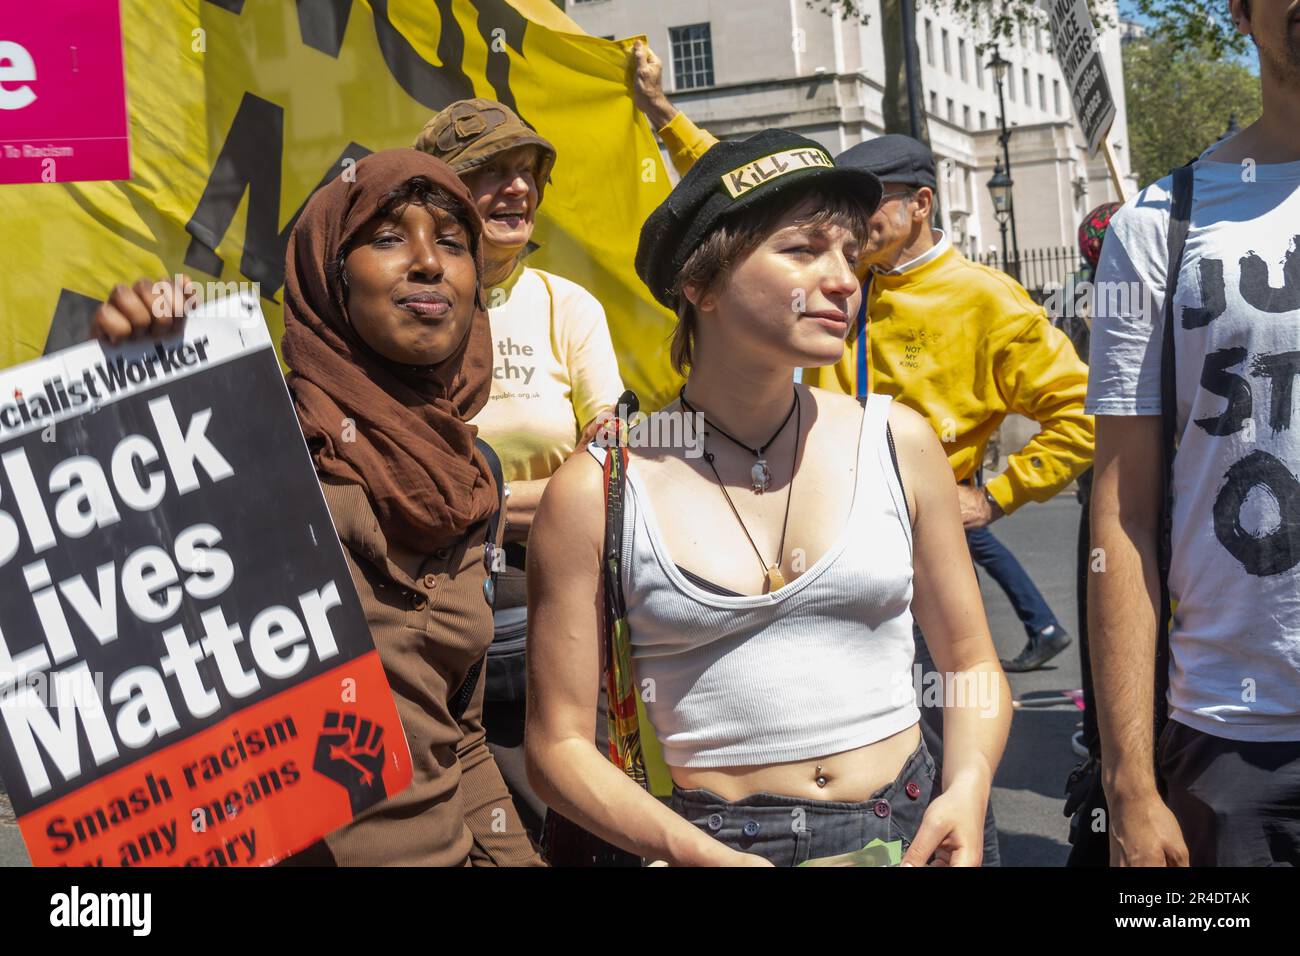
(960, 343)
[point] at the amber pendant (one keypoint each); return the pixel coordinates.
(760, 476)
(775, 579)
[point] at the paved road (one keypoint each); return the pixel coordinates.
(1028, 789)
(1027, 792)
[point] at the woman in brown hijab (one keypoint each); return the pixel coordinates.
(390, 356)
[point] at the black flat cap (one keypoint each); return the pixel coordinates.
(731, 176)
(894, 158)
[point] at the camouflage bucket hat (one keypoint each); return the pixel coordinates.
(469, 133)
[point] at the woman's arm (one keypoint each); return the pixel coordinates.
(947, 605)
(564, 671)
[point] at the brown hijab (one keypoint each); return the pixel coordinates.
(399, 431)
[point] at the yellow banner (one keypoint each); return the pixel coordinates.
(239, 109)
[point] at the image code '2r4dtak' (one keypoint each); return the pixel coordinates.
(186, 674)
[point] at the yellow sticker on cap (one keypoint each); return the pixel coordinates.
(752, 175)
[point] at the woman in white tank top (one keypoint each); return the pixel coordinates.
(772, 560)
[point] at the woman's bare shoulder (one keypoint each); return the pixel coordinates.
(572, 505)
(832, 404)
(910, 427)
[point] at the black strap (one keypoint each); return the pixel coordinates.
(494, 465)
(707, 585)
(459, 701)
(1180, 213)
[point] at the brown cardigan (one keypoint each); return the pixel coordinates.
(431, 623)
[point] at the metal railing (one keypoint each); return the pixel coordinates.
(1038, 267)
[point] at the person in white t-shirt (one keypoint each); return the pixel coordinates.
(1229, 755)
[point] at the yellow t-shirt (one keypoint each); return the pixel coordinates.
(553, 369)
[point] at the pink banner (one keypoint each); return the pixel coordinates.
(62, 92)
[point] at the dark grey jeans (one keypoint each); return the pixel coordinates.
(789, 830)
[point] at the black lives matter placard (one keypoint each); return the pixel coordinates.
(1075, 42)
(186, 675)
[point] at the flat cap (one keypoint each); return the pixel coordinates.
(731, 176)
(894, 158)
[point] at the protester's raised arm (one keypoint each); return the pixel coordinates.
(686, 142)
(648, 86)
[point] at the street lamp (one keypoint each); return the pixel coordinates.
(999, 66)
(1000, 192)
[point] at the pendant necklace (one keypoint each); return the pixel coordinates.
(760, 475)
(773, 577)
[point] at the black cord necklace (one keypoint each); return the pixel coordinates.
(760, 475)
(774, 578)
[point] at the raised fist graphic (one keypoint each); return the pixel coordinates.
(350, 751)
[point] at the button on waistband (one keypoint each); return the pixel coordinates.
(881, 808)
(715, 821)
(430, 581)
(751, 828)
(913, 789)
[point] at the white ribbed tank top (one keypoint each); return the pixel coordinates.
(819, 666)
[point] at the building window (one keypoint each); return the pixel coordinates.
(952, 112)
(934, 103)
(979, 71)
(1024, 86)
(1011, 84)
(1056, 96)
(984, 120)
(947, 55)
(929, 43)
(961, 58)
(692, 51)
(965, 117)
(1038, 37)
(1042, 92)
